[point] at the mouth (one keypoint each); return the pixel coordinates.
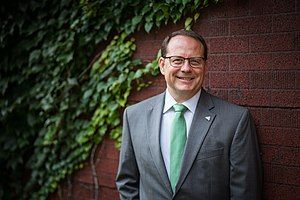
(185, 78)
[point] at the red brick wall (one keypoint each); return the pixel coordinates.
(254, 61)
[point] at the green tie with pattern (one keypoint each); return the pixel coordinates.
(178, 139)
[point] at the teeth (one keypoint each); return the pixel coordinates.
(185, 78)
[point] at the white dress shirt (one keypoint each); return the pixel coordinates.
(166, 124)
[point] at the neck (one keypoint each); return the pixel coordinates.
(182, 97)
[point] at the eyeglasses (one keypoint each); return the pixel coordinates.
(178, 61)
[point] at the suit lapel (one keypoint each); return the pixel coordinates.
(201, 123)
(154, 117)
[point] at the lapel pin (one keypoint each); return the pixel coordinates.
(207, 118)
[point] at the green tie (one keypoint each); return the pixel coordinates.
(178, 139)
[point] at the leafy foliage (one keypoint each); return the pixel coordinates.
(56, 104)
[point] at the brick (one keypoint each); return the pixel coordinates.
(289, 137)
(258, 7)
(212, 27)
(284, 80)
(238, 8)
(280, 6)
(84, 175)
(202, 27)
(62, 191)
(109, 194)
(223, 94)
(270, 43)
(238, 80)
(82, 191)
(106, 165)
(297, 80)
(146, 93)
(239, 44)
(285, 98)
(147, 48)
(289, 60)
(267, 172)
(287, 156)
(275, 191)
(273, 79)
(250, 97)
(145, 58)
(218, 80)
(157, 81)
(219, 28)
(141, 35)
(108, 150)
(218, 62)
(251, 62)
(256, 114)
(228, 8)
(286, 22)
(261, 80)
(229, 80)
(251, 25)
(107, 179)
(297, 41)
(215, 11)
(282, 174)
(277, 117)
(206, 80)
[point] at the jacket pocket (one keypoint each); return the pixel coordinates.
(209, 153)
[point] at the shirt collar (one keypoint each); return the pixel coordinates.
(191, 103)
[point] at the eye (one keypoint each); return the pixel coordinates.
(196, 61)
(177, 61)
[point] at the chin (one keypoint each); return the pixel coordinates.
(187, 92)
(186, 88)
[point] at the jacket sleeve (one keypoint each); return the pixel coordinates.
(245, 162)
(127, 179)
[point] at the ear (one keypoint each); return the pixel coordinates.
(161, 63)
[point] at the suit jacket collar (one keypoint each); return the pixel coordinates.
(154, 116)
(199, 128)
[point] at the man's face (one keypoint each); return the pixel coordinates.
(183, 82)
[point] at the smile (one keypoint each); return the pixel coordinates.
(185, 78)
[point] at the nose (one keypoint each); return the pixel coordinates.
(186, 66)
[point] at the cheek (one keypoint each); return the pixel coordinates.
(201, 74)
(169, 72)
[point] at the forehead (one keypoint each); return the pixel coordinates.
(185, 45)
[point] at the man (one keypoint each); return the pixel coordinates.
(207, 150)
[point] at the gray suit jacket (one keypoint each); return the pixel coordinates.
(221, 160)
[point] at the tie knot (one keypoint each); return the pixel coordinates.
(179, 108)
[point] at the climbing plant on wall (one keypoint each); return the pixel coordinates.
(58, 98)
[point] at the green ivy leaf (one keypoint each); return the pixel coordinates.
(72, 81)
(196, 16)
(187, 23)
(148, 26)
(87, 94)
(136, 20)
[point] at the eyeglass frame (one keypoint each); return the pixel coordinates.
(188, 59)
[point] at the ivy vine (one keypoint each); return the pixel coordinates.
(56, 104)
